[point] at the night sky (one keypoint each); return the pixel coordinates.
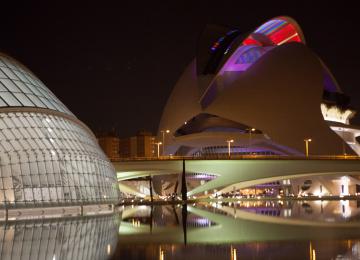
(114, 65)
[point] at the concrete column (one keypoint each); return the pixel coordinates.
(151, 190)
(183, 184)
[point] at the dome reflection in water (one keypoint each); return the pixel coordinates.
(66, 238)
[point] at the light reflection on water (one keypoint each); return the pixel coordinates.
(241, 230)
(316, 210)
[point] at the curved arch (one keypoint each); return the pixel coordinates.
(274, 32)
(266, 37)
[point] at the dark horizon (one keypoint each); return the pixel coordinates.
(114, 66)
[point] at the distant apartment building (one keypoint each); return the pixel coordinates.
(110, 145)
(141, 145)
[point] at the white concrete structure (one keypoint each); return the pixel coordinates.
(268, 81)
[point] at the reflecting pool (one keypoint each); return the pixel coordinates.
(241, 230)
(255, 229)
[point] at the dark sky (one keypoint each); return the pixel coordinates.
(114, 63)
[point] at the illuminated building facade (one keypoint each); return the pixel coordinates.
(268, 92)
(110, 145)
(48, 157)
(141, 145)
(265, 90)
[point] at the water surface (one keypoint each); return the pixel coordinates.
(232, 230)
(241, 230)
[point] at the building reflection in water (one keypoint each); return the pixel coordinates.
(321, 210)
(246, 230)
(68, 238)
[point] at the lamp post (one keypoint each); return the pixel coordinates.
(307, 141)
(229, 146)
(158, 148)
(163, 132)
(251, 130)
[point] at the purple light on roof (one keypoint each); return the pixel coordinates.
(231, 32)
(329, 83)
(237, 67)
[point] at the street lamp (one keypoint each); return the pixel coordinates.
(158, 148)
(251, 130)
(229, 146)
(307, 141)
(163, 132)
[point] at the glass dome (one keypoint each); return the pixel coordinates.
(21, 88)
(47, 156)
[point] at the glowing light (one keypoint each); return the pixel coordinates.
(233, 253)
(251, 41)
(270, 26)
(313, 255)
(307, 141)
(229, 146)
(285, 34)
(269, 35)
(288, 38)
(136, 223)
(334, 114)
(161, 254)
(287, 212)
(217, 44)
(344, 184)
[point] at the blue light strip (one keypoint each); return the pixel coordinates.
(275, 27)
(270, 26)
(264, 26)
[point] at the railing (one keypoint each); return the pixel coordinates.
(239, 157)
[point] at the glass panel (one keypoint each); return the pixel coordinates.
(2, 103)
(9, 73)
(10, 85)
(10, 99)
(23, 99)
(49, 158)
(2, 74)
